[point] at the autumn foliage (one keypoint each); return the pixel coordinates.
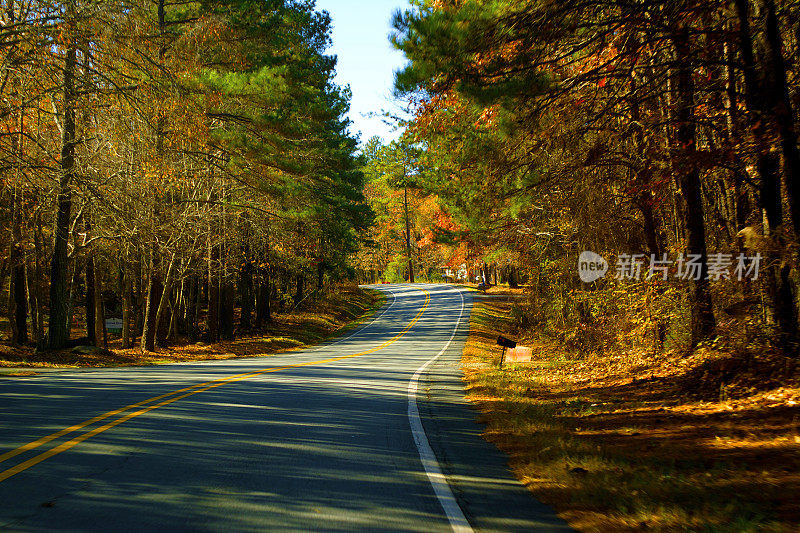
(185, 167)
(666, 130)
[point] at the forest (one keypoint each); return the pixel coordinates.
(184, 167)
(660, 136)
(622, 177)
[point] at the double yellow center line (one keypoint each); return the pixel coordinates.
(164, 399)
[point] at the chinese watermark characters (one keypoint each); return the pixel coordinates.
(718, 266)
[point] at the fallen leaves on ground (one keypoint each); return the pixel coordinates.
(332, 315)
(633, 441)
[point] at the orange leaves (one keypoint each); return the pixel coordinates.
(488, 117)
(447, 112)
(445, 221)
(459, 255)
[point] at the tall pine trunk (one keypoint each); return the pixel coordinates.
(263, 308)
(58, 328)
(213, 293)
(155, 286)
(246, 286)
(408, 235)
(192, 303)
(227, 301)
(163, 303)
(126, 307)
(781, 109)
(18, 305)
(91, 308)
(37, 281)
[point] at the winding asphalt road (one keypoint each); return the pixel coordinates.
(369, 432)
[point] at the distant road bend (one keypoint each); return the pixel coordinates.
(370, 432)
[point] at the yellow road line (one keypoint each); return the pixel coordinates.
(188, 391)
(70, 429)
(44, 440)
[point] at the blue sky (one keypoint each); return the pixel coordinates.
(367, 60)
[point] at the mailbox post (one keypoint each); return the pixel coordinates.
(505, 343)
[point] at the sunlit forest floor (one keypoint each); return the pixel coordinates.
(632, 441)
(336, 313)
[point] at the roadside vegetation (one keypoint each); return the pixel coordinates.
(624, 441)
(183, 168)
(321, 319)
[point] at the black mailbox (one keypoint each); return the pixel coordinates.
(506, 343)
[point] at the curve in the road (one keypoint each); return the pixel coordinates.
(170, 398)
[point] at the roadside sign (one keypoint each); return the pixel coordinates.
(114, 325)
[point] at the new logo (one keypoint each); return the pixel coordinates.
(591, 266)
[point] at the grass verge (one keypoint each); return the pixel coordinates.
(335, 314)
(615, 443)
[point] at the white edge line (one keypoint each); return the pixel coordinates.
(438, 481)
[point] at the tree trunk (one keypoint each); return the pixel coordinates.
(58, 332)
(95, 321)
(703, 323)
(227, 301)
(152, 299)
(213, 295)
(513, 280)
(155, 289)
(32, 303)
(37, 282)
(126, 308)
(763, 99)
(173, 318)
(18, 306)
(192, 301)
(99, 310)
(91, 303)
(147, 305)
(408, 237)
(781, 109)
(17, 299)
(298, 295)
(91, 299)
(162, 303)
(138, 302)
(246, 288)
(263, 309)
(179, 309)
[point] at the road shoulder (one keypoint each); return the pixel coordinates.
(489, 495)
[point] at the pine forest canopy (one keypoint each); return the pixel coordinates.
(170, 155)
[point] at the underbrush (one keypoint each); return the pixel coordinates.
(648, 321)
(618, 435)
(337, 311)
